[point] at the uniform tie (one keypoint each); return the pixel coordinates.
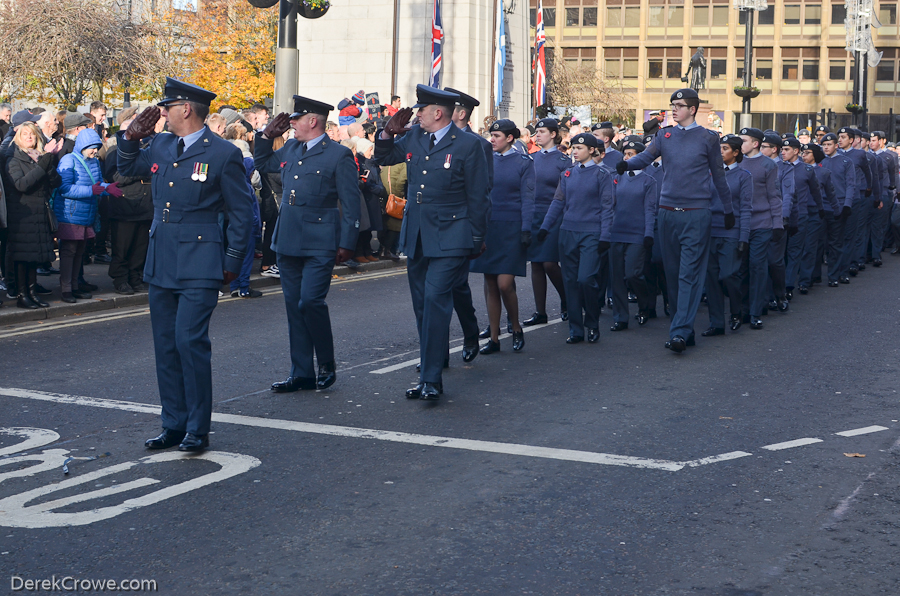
(431, 142)
(302, 149)
(180, 148)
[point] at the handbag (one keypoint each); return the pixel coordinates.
(51, 217)
(395, 205)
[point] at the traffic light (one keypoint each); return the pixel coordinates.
(896, 132)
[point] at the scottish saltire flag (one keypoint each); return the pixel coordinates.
(437, 43)
(540, 65)
(500, 60)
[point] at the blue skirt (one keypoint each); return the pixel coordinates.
(548, 250)
(505, 254)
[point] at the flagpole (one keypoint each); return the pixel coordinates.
(494, 60)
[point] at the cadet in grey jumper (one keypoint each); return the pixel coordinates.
(843, 176)
(816, 227)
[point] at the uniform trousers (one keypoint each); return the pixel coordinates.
(180, 322)
(777, 248)
(795, 247)
(465, 310)
(305, 282)
(580, 258)
(878, 223)
(723, 275)
(431, 284)
(832, 242)
(861, 239)
(684, 240)
(130, 240)
(626, 267)
(815, 227)
(653, 270)
(755, 274)
(848, 238)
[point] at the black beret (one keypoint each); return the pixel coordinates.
(772, 139)
(823, 128)
(753, 132)
(817, 152)
(505, 126)
(879, 133)
(647, 139)
(585, 139)
(633, 145)
(830, 137)
(548, 123)
(847, 130)
(733, 141)
(684, 94)
(791, 142)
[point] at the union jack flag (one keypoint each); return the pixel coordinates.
(539, 65)
(437, 43)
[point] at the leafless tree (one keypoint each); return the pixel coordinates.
(584, 85)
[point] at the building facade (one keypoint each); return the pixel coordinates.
(800, 61)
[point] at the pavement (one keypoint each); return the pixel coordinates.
(759, 463)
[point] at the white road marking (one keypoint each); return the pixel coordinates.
(789, 444)
(402, 365)
(393, 436)
(861, 431)
(34, 437)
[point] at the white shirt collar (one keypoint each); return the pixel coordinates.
(193, 138)
(689, 126)
(440, 134)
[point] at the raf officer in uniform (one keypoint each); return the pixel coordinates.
(311, 234)
(196, 176)
(447, 211)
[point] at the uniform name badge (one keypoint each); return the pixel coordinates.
(447, 162)
(200, 172)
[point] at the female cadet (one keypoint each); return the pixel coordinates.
(584, 201)
(508, 234)
(728, 248)
(549, 164)
(631, 236)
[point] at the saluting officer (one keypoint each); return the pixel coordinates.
(311, 234)
(195, 177)
(446, 217)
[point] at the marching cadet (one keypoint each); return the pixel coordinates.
(584, 201)
(312, 233)
(508, 234)
(875, 206)
(888, 188)
(854, 226)
(728, 247)
(654, 272)
(691, 155)
(600, 159)
(843, 177)
(195, 177)
(631, 236)
(766, 224)
(447, 213)
(821, 131)
(817, 227)
(549, 164)
(611, 156)
(771, 147)
(810, 207)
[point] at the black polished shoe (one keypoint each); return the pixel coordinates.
(713, 331)
(536, 319)
(772, 305)
(620, 326)
(609, 302)
(470, 350)
(642, 317)
(41, 290)
(862, 267)
(755, 323)
(896, 251)
(509, 327)
(194, 443)
(291, 384)
(632, 297)
(876, 263)
(415, 392)
(783, 304)
(327, 375)
(853, 271)
(35, 298)
(803, 290)
(82, 295)
(25, 301)
(167, 438)
(789, 295)
(575, 339)
(518, 341)
(845, 280)
(735, 323)
(832, 284)
(431, 391)
(691, 340)
(485, 333)
(490, 347)
(564, 315)
(593, 336)
(68, 298)
(676, 344)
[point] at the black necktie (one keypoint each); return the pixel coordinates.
(431, 143)
(582, 165)
(302, 149)
(180, 149)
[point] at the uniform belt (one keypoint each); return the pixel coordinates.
(173, 216)
(667, 208)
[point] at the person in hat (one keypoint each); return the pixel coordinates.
(855, 224)
(691, 155)
(509, 233)
(195, 177)
(549, 165)
(631, 237)
(728, 248)
(607, 134)
(890, 168)
(804, 136)
(817, 229)
(809, 205)
(74, 123)
(584, 202)
(447, 211)
(651, 126)
(820, 132)
(843, 177)
(350, 108)
(876, 205)
(317, 228)
(771, 148)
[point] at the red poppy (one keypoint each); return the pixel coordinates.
(567, 173)
(154, 168)
(616, 181)
(284, 163)
(409, 156)
(667, 135)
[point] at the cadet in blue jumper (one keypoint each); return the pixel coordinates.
(549, 164)
(843, 176)
(876, 166)
(766, 224)
(584, 199)
(771, 148)
(813, 155)
(853, 227)
(691, 155)
(509, 232)
(195, 177)
(611, 156)
(312, 234)
(810, 208)
(654, 272)
(631, 237)
(879, 222)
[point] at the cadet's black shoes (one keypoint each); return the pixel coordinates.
(536, 319)
(735, 323)
(676, 344)
(431, 391)
(292, 384)
(490, 347)
(713, 331)
(194, 443)
(620, 326)
(167, 438)
(755, 323)
(327, 375)
(575, 339)
(518, 341)
(469, 351)
(593, 336)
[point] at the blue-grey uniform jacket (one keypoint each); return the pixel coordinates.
(789, 204)
(448, 202)
(806, 185)
(585, 201)
(876, 166)
(740, 181)
(634, 207)
(891, 163)
(862, 172)
(310, 223)
(186, 241)
(843, 176)
(823, 175)
(767, 202)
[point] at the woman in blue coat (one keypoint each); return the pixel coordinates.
(76, 208)
(508, 234)
(549, 164)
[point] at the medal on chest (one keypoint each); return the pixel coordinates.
(200, 172)
(447, 162)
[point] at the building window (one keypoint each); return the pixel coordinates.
(572, 17)
(767, 16)
(589, 16)
(762, 67)
(838, 13)
(549, 17)
(532, 17)
(621, 63)
(887, 69)
(791, 14)
(812, 14)
(663, 13)
(664, 62)
(717, 59)
(887, 13)
(800, 63)
(711, 15)
(837, 69)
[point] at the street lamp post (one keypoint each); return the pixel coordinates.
(287, 58)
(748, 7)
